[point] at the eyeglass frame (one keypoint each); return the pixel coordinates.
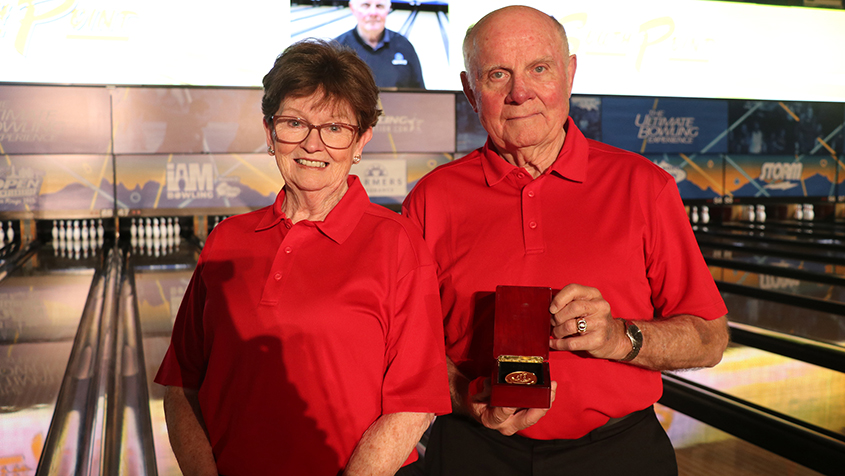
(356, 130)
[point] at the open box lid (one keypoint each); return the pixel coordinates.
(522, 321)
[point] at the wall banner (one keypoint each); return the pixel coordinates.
(197, 181)
(81, 184)
(649, 125)
(54, 120)
(414, 122)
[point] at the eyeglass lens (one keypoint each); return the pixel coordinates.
(295, 130)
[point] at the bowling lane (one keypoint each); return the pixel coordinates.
(804, 391)
(703, 450)
(818, 250)
(819, 270)
(808, 392)
(41, 305)
(810, 288)
(160, 284)
(792, 227)
(771, 235)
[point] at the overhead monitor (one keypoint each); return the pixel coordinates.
(666, 48)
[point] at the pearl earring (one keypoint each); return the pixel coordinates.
(271, 151)
(356, 159)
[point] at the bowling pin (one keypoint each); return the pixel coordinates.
(809, 212)
(162, 228)
(101, 231)
(148, 228)
(133, 229)
(761, 213)
(695, 214)
(177, 229)
(799, 212)
(705, 214)
(55, 230)
(750, 209)
(10, 232)
(77, 233)
(61, 230)
(83, 231)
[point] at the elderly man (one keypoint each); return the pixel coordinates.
(540, 205)
(390, 55)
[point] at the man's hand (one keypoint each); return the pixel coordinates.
(601, 336)
(506, 420)
(675, 342)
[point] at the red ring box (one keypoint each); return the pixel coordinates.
(521, 330)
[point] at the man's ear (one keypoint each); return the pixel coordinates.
(468, 92)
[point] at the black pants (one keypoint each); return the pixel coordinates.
(634, 446)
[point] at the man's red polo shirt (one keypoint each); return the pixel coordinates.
(300, 336)
(600, 217)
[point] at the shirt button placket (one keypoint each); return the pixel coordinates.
(531, 220)
(281, 265)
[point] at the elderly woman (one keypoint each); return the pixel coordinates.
(309, 340)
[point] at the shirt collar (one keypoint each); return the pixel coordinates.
(571, 162)
(385, 39)
(339, 223)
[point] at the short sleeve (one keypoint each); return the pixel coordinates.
(185, 362)
(680, 280)
(415, 379)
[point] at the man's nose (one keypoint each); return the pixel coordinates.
(520, 89)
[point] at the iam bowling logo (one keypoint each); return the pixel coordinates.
(190, 180)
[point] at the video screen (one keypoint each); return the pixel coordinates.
(650, 48)
(406, 44)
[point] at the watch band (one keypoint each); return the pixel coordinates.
(633, 333)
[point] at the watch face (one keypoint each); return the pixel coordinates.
(633, 332)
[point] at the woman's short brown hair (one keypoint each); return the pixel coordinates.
(312, 65)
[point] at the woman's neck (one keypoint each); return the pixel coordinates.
(311, 205)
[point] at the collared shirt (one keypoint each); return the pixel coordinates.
(299, 336)
(600, 217)
(394, 61)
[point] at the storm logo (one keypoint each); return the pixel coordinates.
(781, 175)
(677, 173)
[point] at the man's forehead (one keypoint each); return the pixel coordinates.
(491, 54)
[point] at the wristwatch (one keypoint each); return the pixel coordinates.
(633, 333)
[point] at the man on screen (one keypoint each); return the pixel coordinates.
(390, 55)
